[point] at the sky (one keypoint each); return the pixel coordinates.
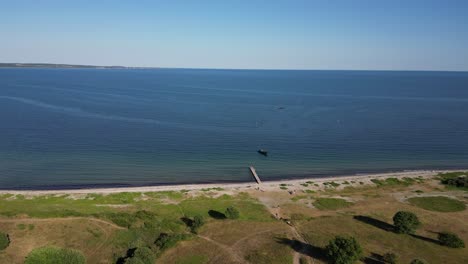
(240, 34)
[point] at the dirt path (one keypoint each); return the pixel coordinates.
(226, 249)
(252, 235)
(300, 238)
(275, 211)
(58, 219)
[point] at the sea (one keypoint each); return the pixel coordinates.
(89, 128)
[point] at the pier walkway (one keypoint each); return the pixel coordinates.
(254, 173)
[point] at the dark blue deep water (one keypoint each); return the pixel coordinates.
(95, 127)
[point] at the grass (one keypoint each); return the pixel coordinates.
(52, 255)
(192, 259)
(299, 197)
(318, 231)
(454, 180)
(331, 203)
(438, 204)
(65, 233)
(256, 236)
(252, 240)
(395, 181)
(212, 189)
(331, 184)
(146, 215)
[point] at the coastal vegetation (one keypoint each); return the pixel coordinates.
(457, 180)
(297, 225)
(232, 213)
(4, 241)
(405, 222)
(438, 203)
(53, 255)
(390, 258)
(343, 250)
(451, 240)
(330, 203)
(418, 261)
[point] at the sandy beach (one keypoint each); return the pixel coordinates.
(358, 179)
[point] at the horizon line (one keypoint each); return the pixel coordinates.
(74, 66)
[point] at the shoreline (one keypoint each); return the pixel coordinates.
(265, 185)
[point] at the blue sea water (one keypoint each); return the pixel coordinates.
(126, 127)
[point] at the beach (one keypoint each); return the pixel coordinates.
(352, 180)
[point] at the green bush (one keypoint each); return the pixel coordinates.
(451, 240)
(418, 261)
(455, 179)
(197, 222)
(343, 250)
(232, 213)
(165, 241)
(143, 255)
(4, 241)
(390, 258)
(54, 255)
(405, 222)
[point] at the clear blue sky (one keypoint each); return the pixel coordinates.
(289, 34)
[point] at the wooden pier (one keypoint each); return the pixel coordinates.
(254, 173)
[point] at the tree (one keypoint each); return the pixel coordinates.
(197, 222)
(418, 261)
(343, 250)
(232, 213)
(4, 241)
(451, 240)
(390, 258)
(165, 241)
(143, 255)
(405, 222)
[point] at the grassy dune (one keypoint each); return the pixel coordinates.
(275, 226)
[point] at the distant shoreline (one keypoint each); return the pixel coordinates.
(80, 66)
(64, 66)
(266, 185)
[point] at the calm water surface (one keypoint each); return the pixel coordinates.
(90, 128)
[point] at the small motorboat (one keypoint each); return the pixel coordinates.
(263, 152)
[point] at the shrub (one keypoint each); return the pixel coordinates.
(165, 241)
(405, 222)
(232, 213)
(343, 250)
(418, 261)
(455, 179)
(451, 240)
(142, 255)
(197, 222)
(4, 241)
(53, 255)
(390, 258)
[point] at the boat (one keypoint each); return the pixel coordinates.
(263, 152)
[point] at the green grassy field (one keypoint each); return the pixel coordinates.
(330, 203)
(438, 203)
(273, 227)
